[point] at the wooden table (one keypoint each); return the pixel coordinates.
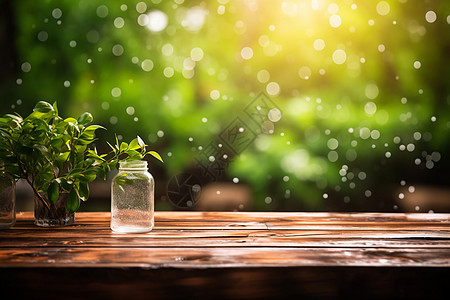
(238, 255)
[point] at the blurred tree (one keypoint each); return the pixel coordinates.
(362, 88)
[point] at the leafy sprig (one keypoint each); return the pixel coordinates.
(54, 155)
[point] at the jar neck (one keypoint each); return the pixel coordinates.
(133, 165)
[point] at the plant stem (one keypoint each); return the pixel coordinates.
(37, 193)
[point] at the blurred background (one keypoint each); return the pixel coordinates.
(306, 105)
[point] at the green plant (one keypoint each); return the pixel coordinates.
(54, 155)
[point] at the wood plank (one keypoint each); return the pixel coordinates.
(221, 257)
(215, 220)
(185, 216)
(303, 216)
(225, 242)
(251, 226)
(228, 238)
(41, 233)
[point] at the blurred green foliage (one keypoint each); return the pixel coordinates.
(363, 87)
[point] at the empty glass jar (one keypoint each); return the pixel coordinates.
(7, 200)
(132, 198)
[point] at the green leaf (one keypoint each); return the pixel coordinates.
(81, 148)
(100, 173)
(43, 107)
(84, 140)
(93, 154)
(65, 185)
(38, 115)
(117, 142)
(83, 191)
(44, 175)
(155, 155)
(141, 142)
(41, 125)
(5, 133)
(94, 127)
(75, 171)
(53, 191)
(88, 162)
(134, 145)
(57, 143)
(87, 134)
(73, 202)
(13, 120)
(112, 147)
(55, 108)
(62, 157)
(61, 127)
(85, 118)
(123, 180)
(123, 146)
(105, 169)
(70, 121)
(113, 165)
(132, 153)
(41, 148)
(87, 176)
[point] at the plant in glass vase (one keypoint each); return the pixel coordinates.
(56, 158)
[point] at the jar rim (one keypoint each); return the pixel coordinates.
(133, 164)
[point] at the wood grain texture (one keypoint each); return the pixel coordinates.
(218, 240)
(232, 255)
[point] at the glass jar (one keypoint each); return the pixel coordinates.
(132, 198)
(52, 214)
(7, 200)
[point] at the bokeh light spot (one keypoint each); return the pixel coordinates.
(119, 22)
(273, 88)
(430, 16)
(156, 21)
(167, 49)
(116, 92)
(57, 13)
(333, 156)
(214, 94)
(339, 56)
(102, 11)
(333, 144)
(117, 50)
(141, 7)
(246, 53)
(383, 8)
(370, 108)
(197, 54)
(26, 67)
(364, 133)
(147, 65)
(274, 115)
(304, 72)
(371, 91)
(319, 44)
(335, 21)
(130, 110)
(168, 72)
(263, 76)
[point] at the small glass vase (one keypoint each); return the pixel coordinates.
(132, 198)
(52, 214)
(7, 200)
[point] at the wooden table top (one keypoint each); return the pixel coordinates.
(200, 240)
